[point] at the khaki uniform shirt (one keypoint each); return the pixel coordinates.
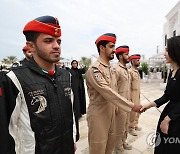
(135, 86)
(103, 100)
(123, 80)
(102, 86)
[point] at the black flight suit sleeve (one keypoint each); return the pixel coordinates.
(8, 94)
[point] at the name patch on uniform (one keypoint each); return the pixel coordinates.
(67, 91)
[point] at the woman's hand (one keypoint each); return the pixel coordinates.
(164, 126)
(147, 106)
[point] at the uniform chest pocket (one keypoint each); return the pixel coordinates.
(135, 82)
(124, 76)
(135, 77)
(65, 88)
(107, 77)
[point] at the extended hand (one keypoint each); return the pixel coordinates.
(137, 108)
(147, 106)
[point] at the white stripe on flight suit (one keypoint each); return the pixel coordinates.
(19, 126)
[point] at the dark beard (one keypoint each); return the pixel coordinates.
(111, 58)
(125, 61)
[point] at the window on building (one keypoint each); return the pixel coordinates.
(165, 40)
(174, 33)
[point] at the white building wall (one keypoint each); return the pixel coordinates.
(172, 24)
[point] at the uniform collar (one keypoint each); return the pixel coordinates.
(135, 70)
(35, 67)
(121, 65)
(102, 62)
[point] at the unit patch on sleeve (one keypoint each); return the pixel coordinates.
(97, 74)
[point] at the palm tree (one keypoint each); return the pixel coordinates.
(86, 61)
(144, 66)
(9, 60)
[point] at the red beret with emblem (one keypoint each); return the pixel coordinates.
(44, 24)
(123, 48)
(25, 48)
(106, 37)
(135, 56)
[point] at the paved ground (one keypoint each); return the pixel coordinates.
(148, 121)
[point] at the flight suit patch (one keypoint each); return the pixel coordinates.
(97, 74)
(98, 77)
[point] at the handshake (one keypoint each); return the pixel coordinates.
(140, 108)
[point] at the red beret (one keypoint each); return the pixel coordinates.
(106, 37)
(45, 24)
(123, 48)
(25, 48)
(135, 56)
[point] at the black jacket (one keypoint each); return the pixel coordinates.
(38, 111)
(169, 143)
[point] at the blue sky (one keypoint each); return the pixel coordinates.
(137, 23)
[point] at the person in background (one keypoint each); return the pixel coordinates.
(58, 64)
(78, 88)
(79, 101)
(168, 128)
(135, 93)
(27, 52)
(123, 83)
(28, 55)
(103, 98)
(165, 74)
(37, 112)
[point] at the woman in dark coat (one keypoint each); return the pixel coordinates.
(168, 129)
(78, 89)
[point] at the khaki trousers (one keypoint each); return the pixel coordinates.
(101, 133)
(122, 124)
(134, 118)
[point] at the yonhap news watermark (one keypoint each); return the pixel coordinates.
(153, 140)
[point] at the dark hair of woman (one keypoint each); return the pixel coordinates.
(173, 46)
(74, 61)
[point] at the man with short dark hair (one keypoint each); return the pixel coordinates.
(28, 55)
(37, 96)
(104, 99)
(135, 93)
(27, 52)
(123, 82)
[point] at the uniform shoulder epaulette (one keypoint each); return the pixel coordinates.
(95, 67)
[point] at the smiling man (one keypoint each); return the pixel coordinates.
(38, 96)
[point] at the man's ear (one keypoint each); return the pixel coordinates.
(120, 56)
(31, 46)
(101, 47)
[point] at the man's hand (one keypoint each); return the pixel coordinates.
(137, 108)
